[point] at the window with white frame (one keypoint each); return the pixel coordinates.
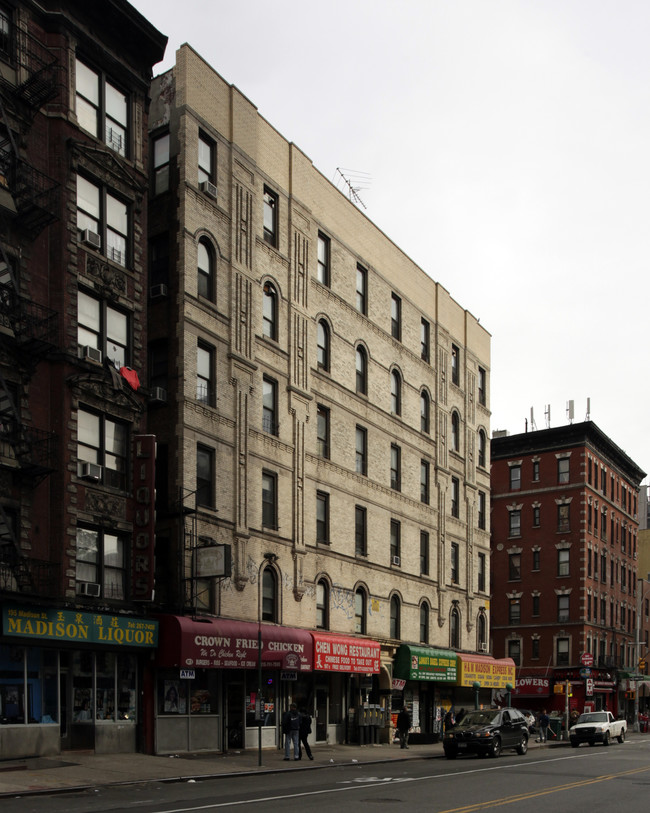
(204, 374)
(322, 605)
(205, 270)
(102, 108)
(104, 442)
(269, 500)
(323, 346)
(102, 220)
(101, 560)
(270, 203)
(322, 517)
(563, 562)
(103, 327)
(160, 159)
(323, 265)
(206, 160)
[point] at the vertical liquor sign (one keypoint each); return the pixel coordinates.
(144, 519)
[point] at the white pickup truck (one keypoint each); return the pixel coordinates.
(597, 726)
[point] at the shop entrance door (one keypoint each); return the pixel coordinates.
(64, 720)
(235, 714)
(321, 714)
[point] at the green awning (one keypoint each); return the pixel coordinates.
(425, 663)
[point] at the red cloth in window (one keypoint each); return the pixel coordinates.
(131, 376)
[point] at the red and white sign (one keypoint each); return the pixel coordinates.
(532, 686)
(589, 687)
(338, 654)
(587, 659)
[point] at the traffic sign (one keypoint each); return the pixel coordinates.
(587, 659)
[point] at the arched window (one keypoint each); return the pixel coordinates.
(481, 633)
(322, 605)
(269, 312)
(269, 595)
(362, 371)
(395, 617)
(205, 270)
(454, 629)
(424, 623)
(455, 432)
(395, 393)
(323, 359)
(360, 611)
(481, 448)
(424, 412)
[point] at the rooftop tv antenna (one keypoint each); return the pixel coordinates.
(570, 411)
(354, 182)
(547, 416)
(588, 415)
(533, 426)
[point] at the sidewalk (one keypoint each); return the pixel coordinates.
(81, 770)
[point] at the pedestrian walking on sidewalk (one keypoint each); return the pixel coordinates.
(544, 721)
(403, 726)
(305, 731)
(291, 731)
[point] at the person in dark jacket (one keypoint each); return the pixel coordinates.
(305, 731)
(403, 726)
(291, 731)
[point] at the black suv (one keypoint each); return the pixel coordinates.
(487, 732)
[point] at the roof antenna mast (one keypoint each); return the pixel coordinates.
(354, 182)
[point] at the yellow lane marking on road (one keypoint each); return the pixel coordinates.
(508, 800)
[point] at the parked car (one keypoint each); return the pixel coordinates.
(597, 726)
(487, 731)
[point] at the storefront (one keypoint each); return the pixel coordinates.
(212, 686)
(590, 689)
(532, 692)
(483, 681)
(428, 676)
(71, 680)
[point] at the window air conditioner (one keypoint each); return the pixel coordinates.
(397, 561)
(89, 471)
(482, 647)
(209, 188)
(89, 353)
(91, 238)
(158, 291)
(158, 395)
(89, 589)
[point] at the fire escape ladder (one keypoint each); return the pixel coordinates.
(11, 557)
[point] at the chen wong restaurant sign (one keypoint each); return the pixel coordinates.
(71, 626)
(339, 654)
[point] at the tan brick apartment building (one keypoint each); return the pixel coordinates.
(564, 565)
(322, 413)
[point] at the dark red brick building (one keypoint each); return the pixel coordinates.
(563, 565)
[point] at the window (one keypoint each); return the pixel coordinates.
(101, 559)
(455, 365)
(396, 317)
(562, 652)
(563, 518)
(205, 270)
(425, 339)
(481, 572)
(270, 217)
(534, 648)
(269, 500)
(515, 478)
(323, 431)
(205, 476)
(455, 497)
(514, 566)
(323, 342)
(159, 260)
(455, 432)
(360, 602)
(5, 35)
(395, 467)
(361, 444)
(536, 516)
(322, 517)
(104, 215)
(482, 523)
(102, 108)
(536, 559)
(515, 523)
(323, 267)
(536, 471)
(395, 541)
(103, 441)
(395, 393)
(514, 611)
(395, 612)
(563, 470)
(514, 650)
(158, 361)
(204, 374)
(424, 482)
(424, 412)
(455, 563)
(360, 531)
(481, 632)
(362, 371)
(104, 328)
(482, 383)
(269, 312)
(269, 595)
(205, 160)
(270, 406)
(482, 446)
(322, 605)
(160, 163)
(362, 290)
(563, 562)
(535, 608)
(424, 623)
(424, 553)
(454, 629)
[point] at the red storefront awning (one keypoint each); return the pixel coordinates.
(338, 653)
(220, 643)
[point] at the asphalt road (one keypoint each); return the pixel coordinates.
(578, 780)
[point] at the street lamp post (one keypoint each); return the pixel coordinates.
(269, 558)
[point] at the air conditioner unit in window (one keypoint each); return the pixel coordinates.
(91, 238)
(89, 353)
(89, 471)
(158, 291)
(209, 188)
(158, 395)
(482, 647)
(397, 561)
(88, 589)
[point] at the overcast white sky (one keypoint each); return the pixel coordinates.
(508, 148)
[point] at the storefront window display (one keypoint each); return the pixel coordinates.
(93, 698)
(269, 694)
(28, 685)
(196, 696)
